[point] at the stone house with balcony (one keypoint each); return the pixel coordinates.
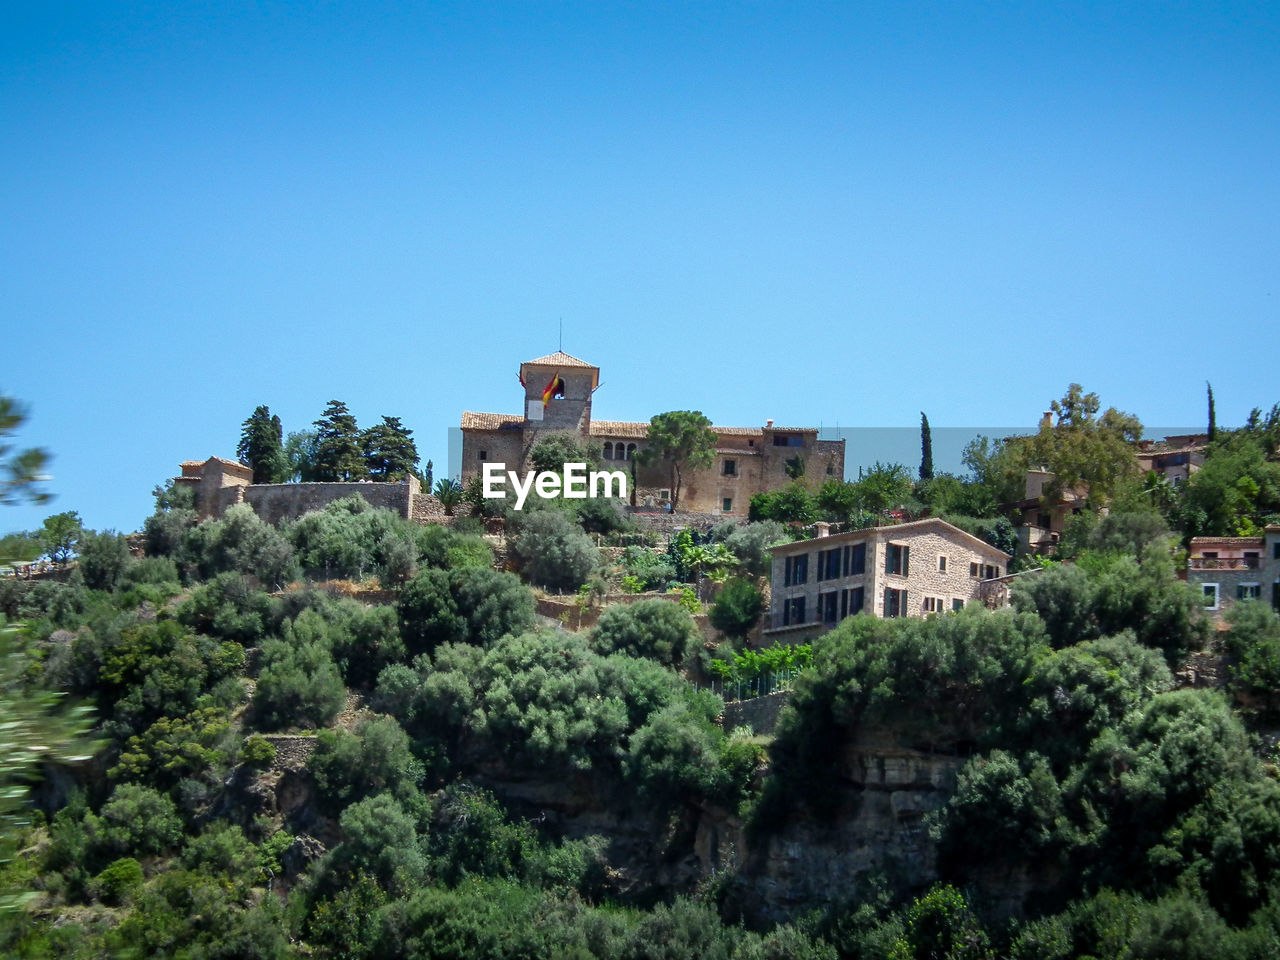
(558, 394)
(1174, 457)
(1227, 570)
(905, 570)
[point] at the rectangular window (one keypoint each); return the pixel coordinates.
(973, 570)
(857, 600)
(990, 573)
(827, 604)
(957, 605)
(857, 559)
(786, 571)
(727, 504)
(844, 604)
(895, 602)
(1275, 550)
(793, 612)
(484, 454)
(800, 569)
(1210, 591)
(730, 468)
(942, 564)
(1248, 591)
(787, 441)
(832, 563)
(897, 559)
(931, 605)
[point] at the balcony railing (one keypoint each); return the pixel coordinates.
(1224, 563)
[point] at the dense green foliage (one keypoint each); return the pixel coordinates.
(415, 771)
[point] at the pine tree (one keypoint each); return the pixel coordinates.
(926, 449)
(389, 450)
(262, 446)
(338, 455)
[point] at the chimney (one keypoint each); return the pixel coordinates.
(823, 528)
(768, 424)
(1046, 420)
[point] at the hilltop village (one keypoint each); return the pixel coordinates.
(327, 704)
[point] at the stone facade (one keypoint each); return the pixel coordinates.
(749, 460)
(1226, 570)
(905, 570)
(219, 483)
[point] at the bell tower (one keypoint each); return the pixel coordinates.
(557, 395)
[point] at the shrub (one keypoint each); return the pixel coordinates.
(299, 686)
(737, 608)
(258, 751)
(104, 557)
(470, 605)
(553, 552)
(118, 881)
(657, 629)
(139, 820)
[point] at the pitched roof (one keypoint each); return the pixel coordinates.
(619, 428)
(895, 531)
(559, 359)
(491, 421)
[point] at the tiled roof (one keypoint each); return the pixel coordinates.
(560, 359)
(491, 421)
(897, 531)
(619, 428)
(640, 429)
(1225, 541)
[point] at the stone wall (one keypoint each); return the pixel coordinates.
(758, 713)
(274, 502)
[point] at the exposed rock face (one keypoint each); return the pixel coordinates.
(883, 795)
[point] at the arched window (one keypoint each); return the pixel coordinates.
(608, 450)
(631, 451)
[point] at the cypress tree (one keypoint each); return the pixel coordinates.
(926, 449)
(1213, 417)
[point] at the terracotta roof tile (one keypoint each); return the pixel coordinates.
(560, 359)
(491, 421)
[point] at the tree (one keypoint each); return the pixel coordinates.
(657, 629)
(449, 493)
(883, 487)
(23, 471)
(737, 608)
(1085, 449)
(389, 450)
(60, 534)
(684, 440)
(427, 478)
(1213, 417)
(553, 551)
(300, 451)
(261, 446)
(926, 449)
(551, 453)
(338, 455)
(103, 559)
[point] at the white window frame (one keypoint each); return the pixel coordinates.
(1256, 586)
(1217, 595)
(942, 563)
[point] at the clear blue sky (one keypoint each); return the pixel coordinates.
(817, 213)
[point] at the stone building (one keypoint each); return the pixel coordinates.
(1175, 457)
(219, 483)
(905, 570)
(749, 460)
(1227, 570)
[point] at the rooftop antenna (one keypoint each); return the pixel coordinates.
(561, 347)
